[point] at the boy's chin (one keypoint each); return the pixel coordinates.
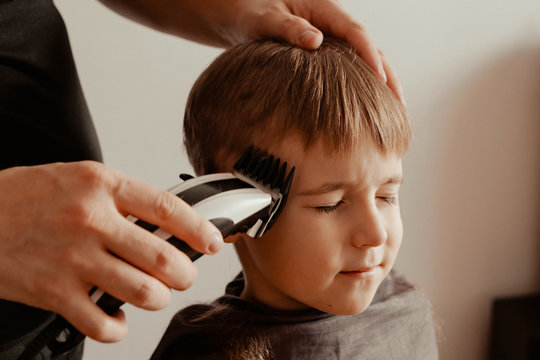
(352, 307)
(355, 310)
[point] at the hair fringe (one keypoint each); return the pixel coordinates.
(263, 90)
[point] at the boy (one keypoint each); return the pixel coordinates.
(331, 251)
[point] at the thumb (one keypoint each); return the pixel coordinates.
(294, 29)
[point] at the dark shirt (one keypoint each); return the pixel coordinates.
(43, 114)
(397, 325)
(43, 119)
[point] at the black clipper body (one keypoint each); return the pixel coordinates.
(230, 201)
(247, 201)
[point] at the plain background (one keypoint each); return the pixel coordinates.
(471, 198)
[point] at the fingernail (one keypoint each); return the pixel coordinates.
(216, 242)
(311, 38)
(383, 73)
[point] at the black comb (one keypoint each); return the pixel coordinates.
(268, 173)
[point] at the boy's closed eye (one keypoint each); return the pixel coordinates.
(333, 207)
(328, 209)
(389, 199)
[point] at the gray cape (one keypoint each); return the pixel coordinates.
(397, 325)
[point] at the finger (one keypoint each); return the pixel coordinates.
(294, 29)
(129, 284)
(153, 256)
(168, 211)
(333, 19)
(89, 319)
(393, 81)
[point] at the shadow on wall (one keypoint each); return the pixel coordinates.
(487, 187)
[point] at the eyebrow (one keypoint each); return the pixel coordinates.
(333, 186)
(397, 180)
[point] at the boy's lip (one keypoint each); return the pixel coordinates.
(362, 272)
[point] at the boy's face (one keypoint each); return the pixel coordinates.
(336, 239)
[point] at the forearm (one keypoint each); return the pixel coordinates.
(229, 22)
(206, 22)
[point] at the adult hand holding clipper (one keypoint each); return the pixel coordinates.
(249, 201)
(84, 240)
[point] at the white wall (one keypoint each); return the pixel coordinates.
(471, 200)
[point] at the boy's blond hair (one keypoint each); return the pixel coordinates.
(259, 92)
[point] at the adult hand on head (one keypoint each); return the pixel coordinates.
(303, 22)
(64, 231)
(229, 22)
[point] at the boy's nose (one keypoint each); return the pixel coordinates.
(369, 230)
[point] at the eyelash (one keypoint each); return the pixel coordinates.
(328, 209)
(390, 200)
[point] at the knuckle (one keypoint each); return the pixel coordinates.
(165, 205)
(292, 22)
(270, 10)
(83, 219)
(122, 185)
(359, 28)
(143, 294)
(276, 14)
(165, 260)
(94, 174)
(81, 215)
(74, 259)
(83, 212)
